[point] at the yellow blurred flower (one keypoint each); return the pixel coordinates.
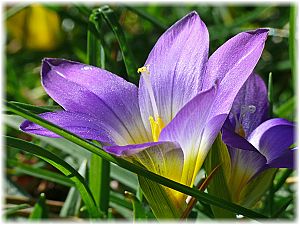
(35, 27)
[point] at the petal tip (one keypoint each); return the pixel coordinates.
(192, 16)
(193, 13)
(264, 32)
(25, 126)
(46, 66)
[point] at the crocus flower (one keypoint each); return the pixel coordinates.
(255, 144)
(169, 123)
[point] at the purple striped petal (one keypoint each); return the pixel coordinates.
(81, 124)
(286, 160)
(245, 165)
(234, 140)
(187, 129)
(96, 92)
(176, 65)
(253, 93)
(232, 64)
(273, 139)
(188, 125)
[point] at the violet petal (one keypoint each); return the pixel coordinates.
(232, 64)
(86, 89)
(176, 65)
(273, 138)
(81, 124)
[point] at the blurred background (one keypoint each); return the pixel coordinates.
(35, 31)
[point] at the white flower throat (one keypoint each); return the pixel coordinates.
(156, 122)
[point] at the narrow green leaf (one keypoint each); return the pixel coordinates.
(40, 173)
(138, 209)
(110, 18)
(99, 181)
(72, 203)
(121, 205)
(95, 51)
(99, 168)
(40, 210)
(125, 177)
(14, 209)
(281, 180)
(293, 43)
(220, 31)
(206, 198)
(257, 187)
(36, 109)
(61, 165)
(270, 94)
(282, 208)
(62, 144)
(86, 11)
(152, 19)
(120, 200)
(219, 155)
(286, 108)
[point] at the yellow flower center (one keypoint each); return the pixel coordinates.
(156, 121)
(156, 127)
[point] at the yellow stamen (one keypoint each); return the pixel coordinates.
(143, 69)
(156, 127)
(240, 130)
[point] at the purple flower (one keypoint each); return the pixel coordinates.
(255, 144)
(169, 123)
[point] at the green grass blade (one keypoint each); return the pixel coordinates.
(36, 109)
(283, 207)
(286, 108)
(99, 172)
(222, 32)
(99, 181)
(64, 145)
(138, 209)
(14, 209)
(219, 156)
(40, 209)
(40, 173)
(281, 180)
(152, 19)
(124, 176)
(270, 95)
(61, 165)
(112, 21)
(72, 203)
(120, 200)
(206, 198)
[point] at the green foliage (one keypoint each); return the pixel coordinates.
(119, 40)
(63, 167)
(219, 155)
(123, 163)
(72, 203)
(40, 209)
